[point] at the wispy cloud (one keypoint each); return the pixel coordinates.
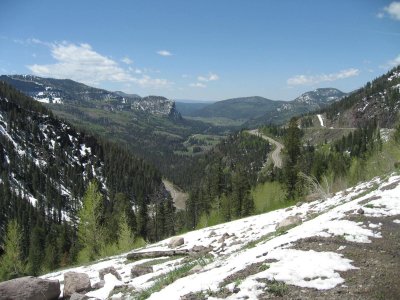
(164, 53)
(127, 60)
(209, 77)
(314, 79)
(198, 85)
(82, 63)
(392, 63)
(392, 10)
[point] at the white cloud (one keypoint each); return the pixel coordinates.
(314, 79)
(83, 64)
(198, 85)
(209, 77)
(127, 60)
(393, 10)
(164, 53)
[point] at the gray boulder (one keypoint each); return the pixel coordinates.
(76, 296)
(137, 271)
(176, 242)
(75, 283)
(109, 270)
(289, 221)
(29, 288)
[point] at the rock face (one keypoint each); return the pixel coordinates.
(289, 221)
(75, 283)
(31, 288)
(137, 271)
(176, 242)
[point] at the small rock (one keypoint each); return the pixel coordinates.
(212, 233)
(236, 290)
(200, 248)
(98, 285)
(137, 271)
(360, 211)
(109, 270)
(300, 203)
(223, 237)
(196, 269)
(289, 221)
(176, 242)
(76, 296)
(76, 282)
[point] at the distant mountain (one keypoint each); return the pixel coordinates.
(378, 100)
(320, 97)
(238, 108)
(66, 91)
(189, 108)
(254, 111)
(307, 102)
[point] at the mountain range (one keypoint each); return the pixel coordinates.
(255, 111)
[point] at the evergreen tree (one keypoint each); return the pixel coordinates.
(89, 229)
(11, 264)
(292, 147)
(125, 237)
(36, 251)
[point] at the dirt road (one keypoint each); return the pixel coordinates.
(276, 154)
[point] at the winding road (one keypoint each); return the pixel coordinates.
(275, 156)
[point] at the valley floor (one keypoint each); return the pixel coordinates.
(346, 246)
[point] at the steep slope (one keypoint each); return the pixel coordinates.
(150, 127)
(330, 247)
(46, 165)
(379, 99)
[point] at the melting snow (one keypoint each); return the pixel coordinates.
(321, 121)
(307, 269)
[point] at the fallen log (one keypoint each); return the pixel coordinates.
(155, 254)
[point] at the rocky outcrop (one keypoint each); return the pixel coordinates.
(75, 283)
(31, 288)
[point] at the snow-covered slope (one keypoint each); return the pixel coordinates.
(249, 257)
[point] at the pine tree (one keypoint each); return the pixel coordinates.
(11, 265)
(89, 229)
(292, 146)
(36, 251)
(125, 238)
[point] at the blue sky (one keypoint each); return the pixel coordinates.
(204, 50)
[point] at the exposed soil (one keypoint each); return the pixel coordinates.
(378, 276)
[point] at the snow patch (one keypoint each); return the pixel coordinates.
(321, 121)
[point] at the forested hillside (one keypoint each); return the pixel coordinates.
(379, 99)
(46, 167)
(149, 127)
(224, 178)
